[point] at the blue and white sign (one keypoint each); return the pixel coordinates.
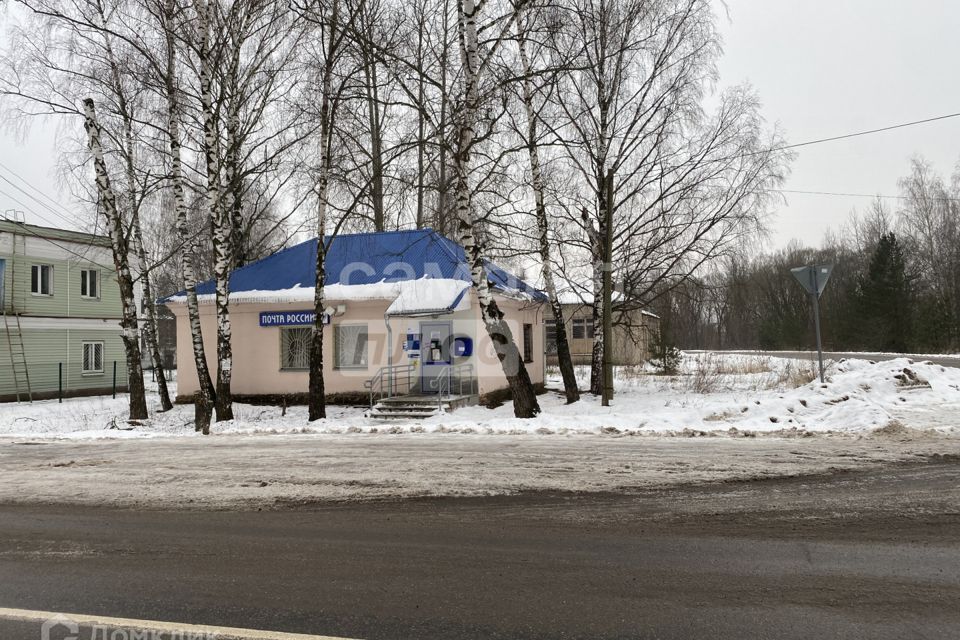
(290, 318)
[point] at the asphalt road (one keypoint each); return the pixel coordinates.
(871, 554)
(945, 361)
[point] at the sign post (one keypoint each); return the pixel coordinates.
(814, 279)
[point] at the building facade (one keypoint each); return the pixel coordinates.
(635, 333)
(60, 308)
(400, 313)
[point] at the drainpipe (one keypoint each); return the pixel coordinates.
(386, 321)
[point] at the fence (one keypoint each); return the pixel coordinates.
(59, 380)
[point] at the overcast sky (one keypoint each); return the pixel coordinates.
(821, 67)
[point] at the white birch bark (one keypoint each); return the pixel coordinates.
(205, 396)
(129, 326)
(316, 400)
(136, 233)
(219, 216)
(596, 360)
(525, 403)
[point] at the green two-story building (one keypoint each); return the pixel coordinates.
(59, 314)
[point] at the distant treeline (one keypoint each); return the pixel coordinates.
(895, 284)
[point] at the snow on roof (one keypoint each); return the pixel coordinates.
(360, 266)
(429, 296)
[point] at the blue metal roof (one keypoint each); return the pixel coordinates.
(367, 258)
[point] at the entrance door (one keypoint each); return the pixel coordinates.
(436, 339)
(3, 266)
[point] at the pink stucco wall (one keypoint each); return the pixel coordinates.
(256, 349)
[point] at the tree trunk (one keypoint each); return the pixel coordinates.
(525, 403)
(219, 217)
(204, 398)
(596, 250)
(234, 189)
(150, 329)
(608, 295)
(129, 325)
(317, 403)
(136, 232)
(421, 124)
(543, 224)
(317, 396)
(376, 142)
(440, 222)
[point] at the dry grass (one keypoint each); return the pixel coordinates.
(711, 373)
(632, 372)
(797, 373)
(706, 377)
(705, 373)
(743, 366)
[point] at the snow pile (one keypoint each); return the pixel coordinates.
(747, 396)
(724, 394)
(857, 395)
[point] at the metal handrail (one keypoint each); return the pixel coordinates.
(390, 375)
(447, 377)
(398, 379)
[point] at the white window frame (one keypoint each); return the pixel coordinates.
(283, 358)
(83, 354)
(85, 283)
(336, 347)
(39, 267)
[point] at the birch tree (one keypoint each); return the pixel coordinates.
(540, 208)
(166, 13)
(473, 66)
(134, 201)
(47, 71)
(129, 325)
(208, 55)
(332, 21)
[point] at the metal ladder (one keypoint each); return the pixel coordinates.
(18, 355)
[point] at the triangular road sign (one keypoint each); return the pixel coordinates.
(813, 278)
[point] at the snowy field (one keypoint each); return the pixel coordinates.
(716, 394)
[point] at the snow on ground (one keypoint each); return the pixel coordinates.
(661, 430)
(272, 472)
(717, 393)
(864, 354)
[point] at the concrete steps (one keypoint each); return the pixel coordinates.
(417, 407)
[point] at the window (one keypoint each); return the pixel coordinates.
(92, 357)
(582, 328)
(295, 347)
(41, 279)
(550, 337)
(350, 344)
(89, 283)
(528, 343)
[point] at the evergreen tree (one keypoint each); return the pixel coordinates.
(885, 301)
